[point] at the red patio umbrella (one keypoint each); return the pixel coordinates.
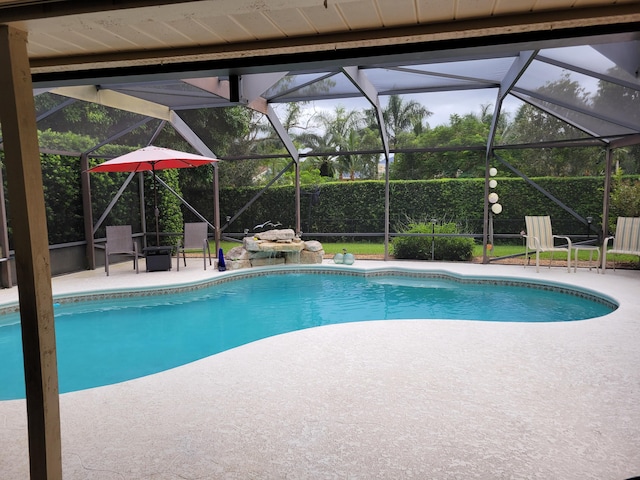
(151, 159)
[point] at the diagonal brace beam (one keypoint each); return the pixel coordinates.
(362, 83)
(547, 194)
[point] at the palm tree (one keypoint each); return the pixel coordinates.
(363, 165)
(402, 117)
(334, 136)
(320, 143)
(262, 139)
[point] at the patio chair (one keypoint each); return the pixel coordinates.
(195, 236)
(541, 239)
(120, 242)
(626, 240)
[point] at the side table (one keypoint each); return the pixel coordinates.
(590, 249)
(158, 258)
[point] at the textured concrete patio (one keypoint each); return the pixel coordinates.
(386, 399)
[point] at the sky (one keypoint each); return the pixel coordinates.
(446, 103)
(441, 104)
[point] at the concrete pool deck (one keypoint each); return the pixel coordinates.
(386, 399)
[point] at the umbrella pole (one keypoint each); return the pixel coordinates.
(156, 212)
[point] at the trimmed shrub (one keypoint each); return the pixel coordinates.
(358, 207)
(444, 248)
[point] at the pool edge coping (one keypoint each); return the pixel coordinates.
(229, 275)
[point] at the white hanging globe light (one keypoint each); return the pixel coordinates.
(496, 208)
(493, 183)
(493, 197)
(493, 171)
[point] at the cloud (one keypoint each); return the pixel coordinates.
(441, 104)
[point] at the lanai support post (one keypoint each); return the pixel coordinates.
(362, 83)
(387, 202)
(485, 214)
(606, 201)
(216, 206)
(296, 166)
(24, 175)
(87, 211)
(5, 267)
(608, 170)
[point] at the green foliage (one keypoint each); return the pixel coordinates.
(611, 97)
(402, 116)
(463, 131)
(277, 204)
(170, 215)
(126, 210)
(89, 120)
(63, 198)
(229, 138)
(444, 248)
(625, 198)
(65, 141)
(326, 207)
(627, 159)
(343, 131)
(582, 194)
(308, 176)
(359, 248)
(532, 125)
(344, 207)
(457, 149)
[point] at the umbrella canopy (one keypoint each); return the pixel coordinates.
(151, 159)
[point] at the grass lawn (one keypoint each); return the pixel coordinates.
(366, 248)
(329, 248)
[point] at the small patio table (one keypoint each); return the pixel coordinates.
(590, 249)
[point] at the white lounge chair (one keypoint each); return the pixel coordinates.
(626, 240)
(541, 239)
(195, 236)
(120, 242)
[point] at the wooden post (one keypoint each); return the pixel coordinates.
(24, 177)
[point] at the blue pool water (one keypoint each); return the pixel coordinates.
(110, 341)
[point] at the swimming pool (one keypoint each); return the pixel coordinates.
(111, 340)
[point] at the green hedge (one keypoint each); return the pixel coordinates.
(358, 207)
(345, 207)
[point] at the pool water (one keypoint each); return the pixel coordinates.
(110, 341)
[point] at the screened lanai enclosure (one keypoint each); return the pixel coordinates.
(552, 109)
(297, 97)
